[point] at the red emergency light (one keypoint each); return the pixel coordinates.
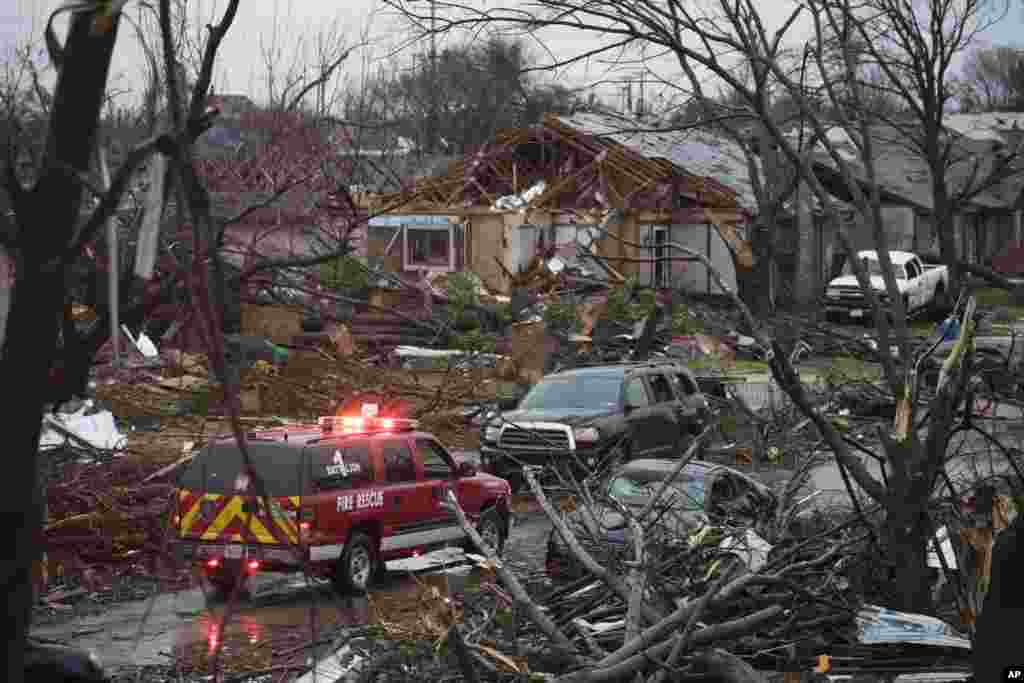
(367, 422)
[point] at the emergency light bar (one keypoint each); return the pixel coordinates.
(367, 422)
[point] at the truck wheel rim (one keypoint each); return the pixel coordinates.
(359, 567)
(490, 533)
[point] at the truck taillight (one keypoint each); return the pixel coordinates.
(306, 520)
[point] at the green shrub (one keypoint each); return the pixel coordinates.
(463, 289)
(561, 315)
(345, 273)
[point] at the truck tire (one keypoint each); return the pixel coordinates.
(491, 528)
(357, 565)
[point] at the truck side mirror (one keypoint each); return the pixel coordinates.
(465, 470)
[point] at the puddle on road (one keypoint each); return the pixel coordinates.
(269, 627)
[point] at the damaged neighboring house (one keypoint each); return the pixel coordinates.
(983, 226)
(594, 189)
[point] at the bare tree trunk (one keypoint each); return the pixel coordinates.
(754, 285)
(945, 227)
(905, 537)
(805, 280)
(46, 218)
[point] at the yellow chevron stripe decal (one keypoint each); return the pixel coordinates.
(189, 518)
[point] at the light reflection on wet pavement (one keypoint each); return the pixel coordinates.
(280, 614)
(276, 608)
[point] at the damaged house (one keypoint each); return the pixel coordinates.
(988, 217)
(584, 187)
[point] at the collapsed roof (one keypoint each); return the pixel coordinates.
(590, 161)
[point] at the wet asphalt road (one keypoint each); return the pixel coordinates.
(279, 610)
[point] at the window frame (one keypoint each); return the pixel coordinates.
(403, 443)
(439, 449)
(409, 266)
(625, 391)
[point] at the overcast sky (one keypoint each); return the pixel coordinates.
(241, 65)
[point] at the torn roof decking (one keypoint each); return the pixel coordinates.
(582, 170)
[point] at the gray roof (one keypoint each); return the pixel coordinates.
(697, 151)
(904, 176)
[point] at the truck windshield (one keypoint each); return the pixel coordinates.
(875, 269)
(594, 392)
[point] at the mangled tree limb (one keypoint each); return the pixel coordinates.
(683, 639)
(533, 611)
(686, 457)
(706, 636)
(618, 586)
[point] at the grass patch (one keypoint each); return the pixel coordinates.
(850, 369)
(748, 367)
(923, 328)
(1000, 298)
(992, 296)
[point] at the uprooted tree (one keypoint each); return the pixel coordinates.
(727, 38)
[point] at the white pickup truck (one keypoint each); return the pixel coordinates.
(923, 287)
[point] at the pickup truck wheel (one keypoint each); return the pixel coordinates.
(357, 564)
(491, 528)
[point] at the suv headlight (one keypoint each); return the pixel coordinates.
(586, 435)
(492, 432)
(832, 293)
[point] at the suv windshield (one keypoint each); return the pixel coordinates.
(586, 392)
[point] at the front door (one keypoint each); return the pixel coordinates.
(661, 264)
(642, 418)
(666, 421)
(406, 503)
(439, 478)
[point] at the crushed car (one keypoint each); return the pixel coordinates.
(593, 415)
(342, 497)
(702, 495)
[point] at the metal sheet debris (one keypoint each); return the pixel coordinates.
(880, 625)
(98, 429)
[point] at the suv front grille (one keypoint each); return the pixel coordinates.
(541, 438)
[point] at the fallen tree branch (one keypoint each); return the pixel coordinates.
(590, 564)
(682, 642)
(660, 630)
(509, 579)
(679, 466)
(706, 636)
